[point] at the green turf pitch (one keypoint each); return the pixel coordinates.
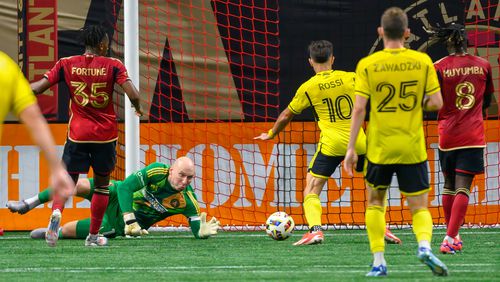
(240, 256)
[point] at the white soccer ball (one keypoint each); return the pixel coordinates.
(279, 226)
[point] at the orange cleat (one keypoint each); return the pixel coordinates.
(311, 238)
(447, 248)
(391, 238)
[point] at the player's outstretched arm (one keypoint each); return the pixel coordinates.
(40, 133)
(133, 95)
(40, 86)
(284, 118)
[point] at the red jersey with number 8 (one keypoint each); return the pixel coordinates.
(90, 79)
(464, 79)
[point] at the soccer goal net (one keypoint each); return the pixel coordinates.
(210, 80)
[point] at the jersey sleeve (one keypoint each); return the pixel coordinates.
(138, 180)
(432, 85)
(192, 211)
(23, 96)
(300, 101)
(362, 87)
(54, 74)
(121, 75)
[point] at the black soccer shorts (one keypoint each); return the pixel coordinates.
(324, 166)
(467, 161)
(413, 179)
(79, 157)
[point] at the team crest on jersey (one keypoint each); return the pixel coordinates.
(175, 201)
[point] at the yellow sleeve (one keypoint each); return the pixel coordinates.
(22, 94)
(300, 101)
(361, 87)
(432, 79)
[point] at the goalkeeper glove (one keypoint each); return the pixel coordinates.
(207, 228)
(132, 228)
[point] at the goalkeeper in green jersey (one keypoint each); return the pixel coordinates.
(142, 199)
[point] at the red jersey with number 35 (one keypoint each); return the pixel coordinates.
(90, 79)
(464, 79)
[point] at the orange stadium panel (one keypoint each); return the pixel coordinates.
(242, 192)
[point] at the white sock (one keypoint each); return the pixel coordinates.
(33, 202)
(449, 239)
(424, 244)
(378, 259)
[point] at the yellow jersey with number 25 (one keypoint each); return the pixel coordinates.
(396, 81)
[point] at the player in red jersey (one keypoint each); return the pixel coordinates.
(467, 86)
(92, 130)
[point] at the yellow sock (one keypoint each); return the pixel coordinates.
(375, 226)
(312, 209)
(422, 225)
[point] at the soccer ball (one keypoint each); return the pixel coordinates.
(279, 226)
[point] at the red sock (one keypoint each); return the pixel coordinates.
(447, 205)
(458, 214)
(98, 207)
(58, 202)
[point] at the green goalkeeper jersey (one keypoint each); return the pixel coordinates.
(148, 194)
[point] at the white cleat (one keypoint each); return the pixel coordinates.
(96, 240)
(52, 233)
(21, 207)
(38, 233)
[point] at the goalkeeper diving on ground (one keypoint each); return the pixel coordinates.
(147, 196)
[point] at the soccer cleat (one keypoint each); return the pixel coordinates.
(20, 207)
(311, 238)
(38, 233)
(391, 238)
(52, 233)
(376, 271)
(96, 240)
(447, 248)
(458, 243)
(426, 256)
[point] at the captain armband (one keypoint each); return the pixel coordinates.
(270, 133)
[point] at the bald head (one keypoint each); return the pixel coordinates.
(181, 173)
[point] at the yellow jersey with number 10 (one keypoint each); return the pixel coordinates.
(331, 96)
(15, 91)
(396, 81)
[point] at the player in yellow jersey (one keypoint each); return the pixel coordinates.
(16, 97)
(399, 83)
(331, 95)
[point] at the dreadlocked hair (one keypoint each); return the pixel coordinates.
(454, 35)
(93, 35)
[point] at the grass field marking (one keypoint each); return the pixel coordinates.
(251, 268)
(226, 234)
